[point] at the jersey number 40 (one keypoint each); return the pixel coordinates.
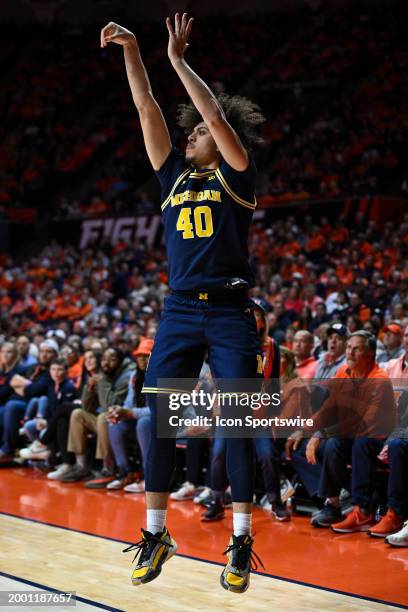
(202, 226)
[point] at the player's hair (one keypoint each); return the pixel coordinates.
(242, 114)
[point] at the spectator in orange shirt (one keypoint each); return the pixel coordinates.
(75, 363)
(392, 341)
(345, 272)
(290, 247)
(84, 307)
(316, 242)
(306, 364)
(340, 234)
(352, 424)
(65, 309)
(293, 302)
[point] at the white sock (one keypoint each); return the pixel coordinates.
(81, 460)
(155, 520)
(242, 523)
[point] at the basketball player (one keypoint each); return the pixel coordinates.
(207, 203)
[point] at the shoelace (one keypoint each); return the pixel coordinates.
(143, 547)
(242, 555)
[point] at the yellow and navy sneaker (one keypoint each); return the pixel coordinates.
(153, 551)
(241, 559)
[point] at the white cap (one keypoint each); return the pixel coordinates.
(50, 344)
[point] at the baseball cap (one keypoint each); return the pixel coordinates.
(144, 348)
(394, 328)
(59, 333)
(51, 344)
(261, 303)
(337, 328)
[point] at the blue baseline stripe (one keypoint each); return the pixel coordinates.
(290, 580)
(51, 590)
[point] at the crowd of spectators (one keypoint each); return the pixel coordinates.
(331, 84)
(341, 130)
(308, 273)
(56, 391)
(60, 125)
(77, 329)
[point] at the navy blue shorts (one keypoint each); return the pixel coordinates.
(189, 328)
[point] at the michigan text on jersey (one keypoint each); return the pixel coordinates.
(196, 196)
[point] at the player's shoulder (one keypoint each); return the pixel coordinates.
(246, 176)
(240, 185)
(173, 166)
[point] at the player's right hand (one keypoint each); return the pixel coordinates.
(116, 33)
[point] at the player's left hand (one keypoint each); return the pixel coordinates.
(178, 37)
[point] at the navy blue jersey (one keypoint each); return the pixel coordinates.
(206, 216)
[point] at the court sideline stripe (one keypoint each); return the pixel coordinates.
(52, 590)
(291, 580)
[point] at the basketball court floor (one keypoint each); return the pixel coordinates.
(67, 538)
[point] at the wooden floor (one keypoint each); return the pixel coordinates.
(68, 538)
(10, 585)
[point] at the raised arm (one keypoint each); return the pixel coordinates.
(202, 97)
(155, 133)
